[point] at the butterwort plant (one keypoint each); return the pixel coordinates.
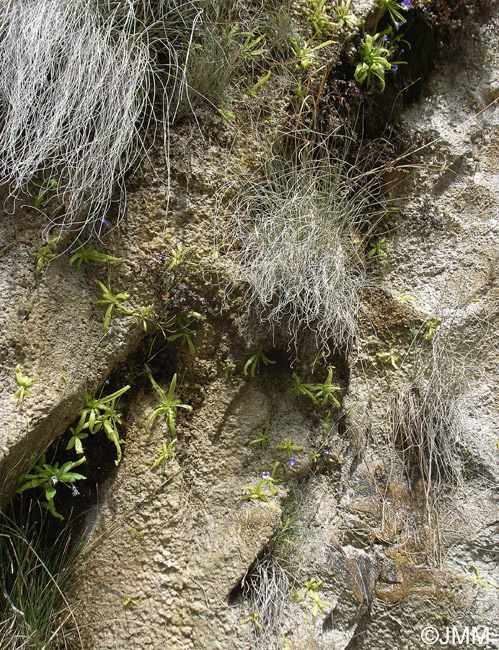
(24, 384)
(167, 406)
(253, 363)
(393, 7)
(374, 54)
(112, 301)
(48, 477)
(98, 413)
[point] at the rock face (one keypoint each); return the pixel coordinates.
(353, 549)
(52, 328)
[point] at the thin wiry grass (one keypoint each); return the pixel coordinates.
(427, 416)
(76, 80)
(34, 613)
(295, 235)
(71, 98)
(219, 67)
(214, 63)
(268, 589)
(268, 585)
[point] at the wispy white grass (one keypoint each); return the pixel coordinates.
(295, 236)
(428, 416)
(70, 98)
(268, 589)
(76, 79)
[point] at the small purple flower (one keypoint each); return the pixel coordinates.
(266, 475)
(326, 451)
(395, 67)
(74, 491)
(384, 38)
(399, 23)
(292, 462)
(104, 222)
(54, 480)
(406, 4)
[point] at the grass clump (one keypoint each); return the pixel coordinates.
(267, 588)
(36, 574)
(234, 45)
(70, 99)
(295, 235)
(427, 417)
(78, 84)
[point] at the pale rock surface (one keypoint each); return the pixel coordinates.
(167, 549)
